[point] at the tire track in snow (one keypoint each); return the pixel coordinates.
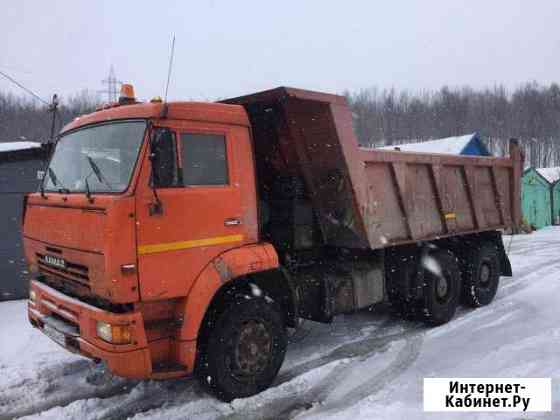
(530, 246)
(519, 279)
(48, 389)
(16, 395)
(140, 398)
(345, 350)
(152, 395)
(406, 356)
(355, 353)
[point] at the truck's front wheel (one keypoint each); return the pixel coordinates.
(245, 348)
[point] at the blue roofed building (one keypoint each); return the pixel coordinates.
(469, 144)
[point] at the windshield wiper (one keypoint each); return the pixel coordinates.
(88, 191)
(57, 182)
(97, 172)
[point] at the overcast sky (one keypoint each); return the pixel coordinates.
(229, 48)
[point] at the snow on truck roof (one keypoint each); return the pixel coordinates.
(18, 145)
(550, 174)
(448, 145)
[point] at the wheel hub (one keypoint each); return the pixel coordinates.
(484, 274)
(442, 287)
(254, 348)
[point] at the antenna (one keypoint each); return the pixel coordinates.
(170, 66)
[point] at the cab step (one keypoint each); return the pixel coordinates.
(164, 370)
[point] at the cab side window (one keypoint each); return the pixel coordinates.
(164, 159)
(204, 159)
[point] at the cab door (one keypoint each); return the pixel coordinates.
(197, 183)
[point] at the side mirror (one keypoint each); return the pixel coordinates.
(155, 208)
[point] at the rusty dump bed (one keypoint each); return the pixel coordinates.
(376, 198)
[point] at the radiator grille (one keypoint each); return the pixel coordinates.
(78, 273)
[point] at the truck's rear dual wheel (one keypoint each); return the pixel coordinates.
(245, 348)
(481, 275)
(442, 287)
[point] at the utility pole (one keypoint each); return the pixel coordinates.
(53, 107)
(113, 86)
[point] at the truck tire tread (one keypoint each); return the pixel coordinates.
(216, 372)
(473, 294)
(438, 310)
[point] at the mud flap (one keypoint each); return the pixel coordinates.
(506, 264)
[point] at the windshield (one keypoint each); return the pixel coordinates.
(95, 159)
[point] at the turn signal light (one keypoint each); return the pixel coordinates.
(114, 334)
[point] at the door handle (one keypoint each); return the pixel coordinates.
(232, 222)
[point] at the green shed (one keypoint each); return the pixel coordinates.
(556, 203)
(536, 198)
(552, 175)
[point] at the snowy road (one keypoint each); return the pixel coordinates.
(363, 366)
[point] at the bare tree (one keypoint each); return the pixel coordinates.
(25, 119)
(530, 113)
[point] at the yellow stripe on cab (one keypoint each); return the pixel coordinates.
(195, 243)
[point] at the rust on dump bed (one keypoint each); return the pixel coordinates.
(377, 198)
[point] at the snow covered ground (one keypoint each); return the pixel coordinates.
(369, 365)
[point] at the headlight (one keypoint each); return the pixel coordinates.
(114, 334)
(33, 268)
(32, 295)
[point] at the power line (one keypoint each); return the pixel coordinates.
(112, 86)
(11, 79)
(52, 107)
(16, 69)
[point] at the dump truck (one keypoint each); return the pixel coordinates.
(178, 238)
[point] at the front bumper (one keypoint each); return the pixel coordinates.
(71, 323)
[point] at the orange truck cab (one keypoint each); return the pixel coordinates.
(172, 238)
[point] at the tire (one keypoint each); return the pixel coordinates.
(403, 305)
(405, 309)
(401, 283)
(442, 287)
(481, 275)
(245, 348)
